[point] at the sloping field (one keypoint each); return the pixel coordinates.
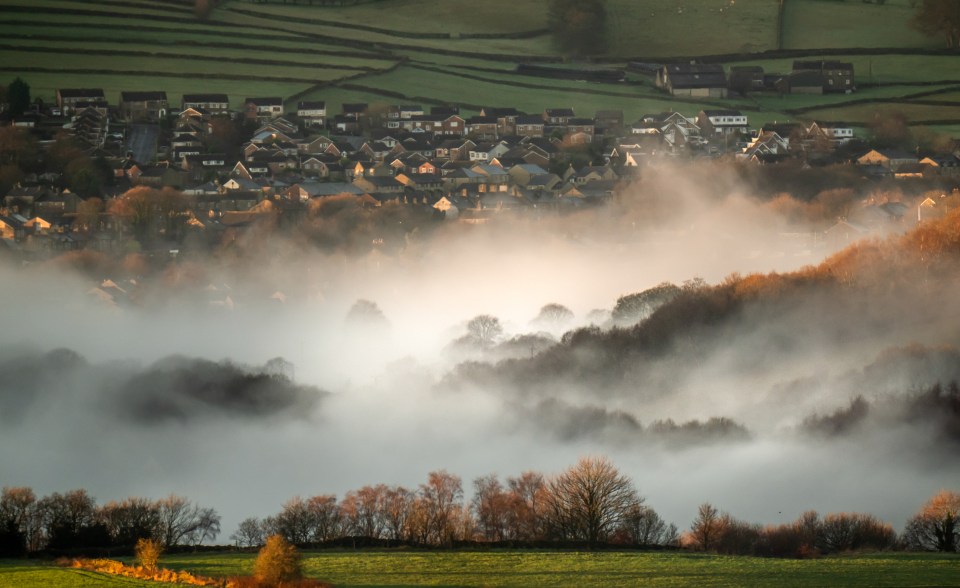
(821, 24)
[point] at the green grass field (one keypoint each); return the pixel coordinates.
(543, 568)
(254, 49)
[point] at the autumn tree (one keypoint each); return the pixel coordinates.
(88, 213)
(707, 527)
(579, 26)
(278, 561)
(939, 17)
(491, 505)
(397, 504)
(528, 494)
(148, 552)
(589, 501)
(643, 526)
(364, 511)
(935, 526)
(442, 499)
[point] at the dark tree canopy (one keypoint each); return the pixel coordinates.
(579, 26)
(18, 95)
(939, 17)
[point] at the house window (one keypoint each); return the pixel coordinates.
(454, 125)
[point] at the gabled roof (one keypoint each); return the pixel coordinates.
(699, 75)
(218, 98)
(143, 96)
(269, 101)
(529, 119)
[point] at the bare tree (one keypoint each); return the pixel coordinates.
(528, 494)
(324, 518)
(484, 329)
(364, 511)
(249, 533)
(442, 497)
(491, 507)
(935, 526)
(397, 504)
(589, 501)
(707, 527)
(644, 526)
(554, 314)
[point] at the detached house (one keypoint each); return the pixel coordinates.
(557, 116)
(312, 114)
(263, 108)
(210, 103)
(891, 159)
(143, 106)
(76, 100)
(722, 122)
(700, 80)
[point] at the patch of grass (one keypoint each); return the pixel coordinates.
(664, 28)
(588, 569)
(19, 574)
(814, 24)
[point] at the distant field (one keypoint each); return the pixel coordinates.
(662, 28)
(816, 24)
(253, 49)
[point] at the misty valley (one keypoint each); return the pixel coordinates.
(693, 334)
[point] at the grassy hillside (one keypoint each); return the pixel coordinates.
(458, 53)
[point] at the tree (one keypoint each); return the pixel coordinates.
(633, 308)
(18, 97)
(278, 561)
(579, 26)
(249, 533)
(366, 314)
(707, 527)
(528, 493)
(589, 501)
(491, 506)
(148, 553)
(554, 314)
(484, 329)
(935, 526)
(181, 521)
(442, 498)
(644, 526)
(939, 17)
(88, 213)
(17, 520)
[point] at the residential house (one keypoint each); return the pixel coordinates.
(72, 100)
(482, 127)
(529, 126)
(312, 113)
(943, 164)
(837, 76)
(767, 147)
(263, 108)
(557, 116)
(208, 103)
(722, 122)
(611, 121)
(579, 131)
(143, 106)
(699, 80)
(890, 159)
(506, 119)
(396, 113)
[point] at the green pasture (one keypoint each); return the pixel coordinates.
(815, 24)
(491, 17)
(587, 569)
(541, 568)
(183, 52)
(44, 85)
(865, 113)
(665, 28)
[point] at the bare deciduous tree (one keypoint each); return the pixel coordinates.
(589, 500)
(707, 527)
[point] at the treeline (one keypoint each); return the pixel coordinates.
(74, 522)
(590, 504)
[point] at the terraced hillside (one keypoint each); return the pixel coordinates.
(442, 52)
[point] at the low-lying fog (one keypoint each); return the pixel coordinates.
(145, 403)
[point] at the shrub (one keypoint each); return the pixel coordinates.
(148, 553)
(278, 561)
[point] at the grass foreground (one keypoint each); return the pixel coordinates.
(540, 568)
